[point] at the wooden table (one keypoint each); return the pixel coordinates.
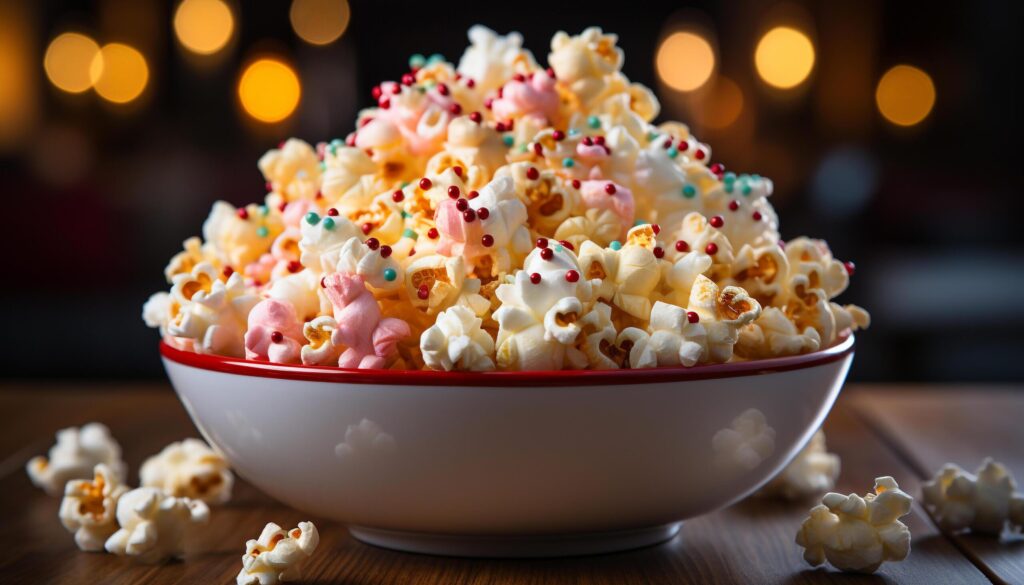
(906, 432)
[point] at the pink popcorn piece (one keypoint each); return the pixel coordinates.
(275, 333)
(371, 338)
(603, 194)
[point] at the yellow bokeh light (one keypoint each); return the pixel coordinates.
(203, 26)
(905, 95)
(723, 104)
(68, 61)
(119, 73)
(784, 57)
(269, 90)
(319, 22)
(685, 61)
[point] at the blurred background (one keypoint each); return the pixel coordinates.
(890, 128)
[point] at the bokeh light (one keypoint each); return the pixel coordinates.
(68, 62)
(784, 57)
(269, 90)
(204, 26)
(319, 22)
(685, 61)
(119, 73)
(723, 104)
(845, 182)
(905, 95)
(19, 102)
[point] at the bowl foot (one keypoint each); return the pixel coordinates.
(516, 546)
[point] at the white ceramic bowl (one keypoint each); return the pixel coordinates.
(509, 463)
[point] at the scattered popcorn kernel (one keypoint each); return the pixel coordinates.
(813, 471)
(985, 502)
(154, 527)
(89, 507)
(76, 454)
(189, 469)
(277, 556)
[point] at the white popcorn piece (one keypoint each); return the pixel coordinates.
(157, 311)
(77, 452)
(234, 236)
(457, 341)
(357, 257)
(855, 533)
(674, 339)
(211, 312)
(292, 170)
(155, 526)
(813, 471)
(624, 277)
(364, 439)
(744, 444)
(490, 59)
(983, 502)
(636, 345)
(722, 313)
(321, 349)
(774, 335)
(89, 507)
(600, 226)
(598, 337)
(322, 240)
(190, 469)
(444, 280)
(584, 62)
(277, 555)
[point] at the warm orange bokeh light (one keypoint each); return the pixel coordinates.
(784, 57)
(203, 26)
(723, 104)
(68, 62)
(269, 90)
(905, 95)
(319, 22)
(685, 61)
(119, 73)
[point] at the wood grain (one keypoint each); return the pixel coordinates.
(748, 543)
(963, 425)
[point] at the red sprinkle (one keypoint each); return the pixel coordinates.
(734, 205)
(228, 271)
(442, 89)
(282, 206)
(532, 173)
(277, 337)
(423, 292)
(656, 229)
(350, 140)
(367, 227)
(469, 82)
(610, 188)
(323, 282)
(542, 242)
(538, 149)
(432, 233)
(550, 72)
(462, 205)
(334, 212)
(547, 253)
(756, 216)
(408, 79)
(455, 109)
(385, 251)
(476, 117)
(535, 278)
(668, 144)
(716, 221)
(576, 184)
(483, 213)
(519, 77)
(473, 194)
(682, 246)
(699, 155)
(425, 183)
(850, 267)
(454, 192)
(294, 266)
(376, 92)
(384, 103)
(487, 240)
(500, 127)
(572, 275)
(711, 249)
(372, 243)
(588, 141)
(558, 135)
(692, 317)
(397, 196)
(243, 213)
(457, 171)
(468, 215)
(717, 168)
(599, 140)
(489, 103)
(659, 252)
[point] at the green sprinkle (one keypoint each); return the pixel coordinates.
(328, 223)
(594, 122)
(405, 184)
(421, 89)
(508, 139)
(323, 166)
(651, 136)
(756, 177)
(435, 58)
(559, 248)
(408, 233)
(728, 187)
(337, 143)
(639, 222)
(745, 189)
(262, 231)
(673, 152)
(568, 162)
(522, 147)
(390, 275)
(616, 245)
(689, 191)
(312, 218)
(729, 177)
(573, 132)
(333, 149)
(406, 214)
(264, 210)
(417, 60)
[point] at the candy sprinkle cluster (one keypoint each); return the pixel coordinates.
(502, 215)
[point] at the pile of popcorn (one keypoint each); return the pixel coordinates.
(502, 215)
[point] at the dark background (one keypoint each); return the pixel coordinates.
(97, 197)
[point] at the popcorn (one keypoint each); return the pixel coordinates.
(858, 534)
(77, 452)
(369, 337)
(189, 469)
(746, 443)
(985, 502)
(277, 555)
(154, 526)
(813, 471)
(457, 342)
(437, 198)
(89, 507)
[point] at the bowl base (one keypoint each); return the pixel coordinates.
(516, 546)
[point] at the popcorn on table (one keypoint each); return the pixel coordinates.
(89, 507)
(76, 454)
(189, 469)
(441, 198)
(813, 471)
(154, 527)
(277, 555)
(986, 502)
(855, 533)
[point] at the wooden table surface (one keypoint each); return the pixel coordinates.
(906, 432)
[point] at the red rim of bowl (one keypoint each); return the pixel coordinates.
(263, 369)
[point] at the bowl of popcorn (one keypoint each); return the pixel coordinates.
(507, 315)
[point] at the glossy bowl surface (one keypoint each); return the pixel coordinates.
(509, 463)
